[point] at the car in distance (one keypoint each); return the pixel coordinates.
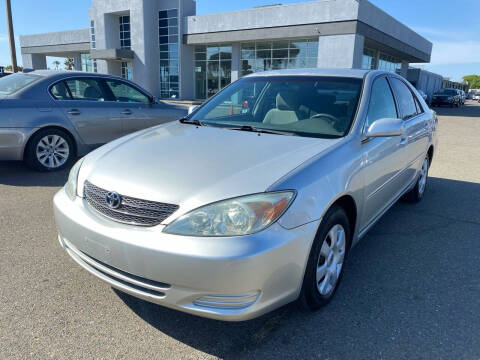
(449, 97)
(48, 118)
(253, 200)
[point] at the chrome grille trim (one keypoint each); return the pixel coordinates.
(132, 211)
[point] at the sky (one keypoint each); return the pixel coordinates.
(452, 26)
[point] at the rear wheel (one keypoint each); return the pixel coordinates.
(325, 263)
(50, 150)
(416, 194)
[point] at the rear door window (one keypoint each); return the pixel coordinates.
(87, 89)
(406, 102)
(60, 92)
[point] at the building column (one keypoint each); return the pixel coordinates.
(340, 51)
(236, 62)
(34, 61)
(404, 69)
(77, 62)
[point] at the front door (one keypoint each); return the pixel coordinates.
(383, 157)
(132, 104)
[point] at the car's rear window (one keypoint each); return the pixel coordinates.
(446, 92)
(13, 83)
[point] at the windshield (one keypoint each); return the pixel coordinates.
(309, 106)
(12, 83)
(446, 92)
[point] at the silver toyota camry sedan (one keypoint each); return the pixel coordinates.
(48, 118)
(255, 198)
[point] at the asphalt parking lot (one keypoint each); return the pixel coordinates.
(411, 288)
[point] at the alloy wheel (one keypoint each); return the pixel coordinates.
(422, 182)
(52, 151)
(330, 260)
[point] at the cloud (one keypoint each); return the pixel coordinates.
(3, 37)
(455, 52)
(443, 34)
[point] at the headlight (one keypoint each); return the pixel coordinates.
(71, 185)
(239, 216)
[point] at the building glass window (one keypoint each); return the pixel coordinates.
(87, 64)
(125, 40)
(127, 70)
(389, 63)
(369, 59)
(213, 69)
(279, 54)
(92, 35)
(95, 66)
(168, 38)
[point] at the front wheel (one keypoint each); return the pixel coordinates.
(416, 194)
(325, 263)
(50, 150)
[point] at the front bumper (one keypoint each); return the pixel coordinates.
(13, 141)
(233, 279)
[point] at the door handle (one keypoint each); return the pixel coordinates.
(74, 112)
(127, 112)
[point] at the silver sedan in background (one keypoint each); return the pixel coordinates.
(255, 199)
(48, 118)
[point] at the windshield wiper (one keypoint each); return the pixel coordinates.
(260, 130)
(193, 122)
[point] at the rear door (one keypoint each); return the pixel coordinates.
(87, 104)
(416, 129)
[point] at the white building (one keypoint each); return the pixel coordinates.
(173, 53)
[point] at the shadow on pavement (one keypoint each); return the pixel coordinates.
(410, 287)
(16, 173)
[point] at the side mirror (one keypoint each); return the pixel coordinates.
(385, 128)
(192, 108)
(154, 100)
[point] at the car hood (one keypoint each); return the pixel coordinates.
(191, 166)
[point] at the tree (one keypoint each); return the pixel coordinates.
(473, 81)
(69, 63)
(56, 63)
(10, 68)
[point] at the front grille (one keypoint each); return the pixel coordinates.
(131, 211)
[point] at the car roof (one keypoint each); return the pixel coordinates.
(60, 74)
(353, 73)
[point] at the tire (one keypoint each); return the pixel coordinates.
(416, 194)
(50, 150)
(311, 296)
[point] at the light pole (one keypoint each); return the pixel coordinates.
(11, 36)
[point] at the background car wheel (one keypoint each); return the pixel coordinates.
(416, 194)
(325, 263)
(50, 150)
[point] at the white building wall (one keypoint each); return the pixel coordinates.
(340, 51)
